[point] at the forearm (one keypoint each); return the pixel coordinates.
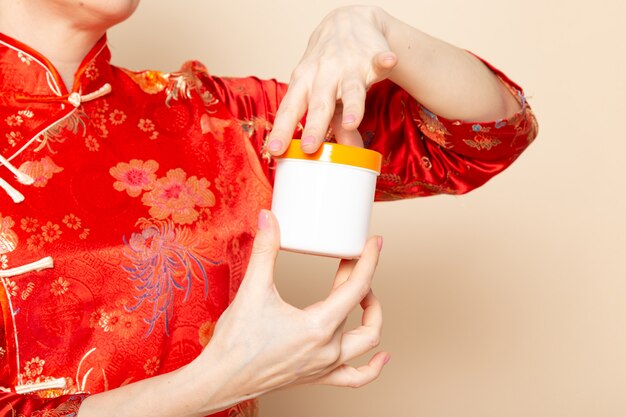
(447, 80)
(191, 391)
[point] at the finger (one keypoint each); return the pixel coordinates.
(367, 336)
(382, 64)
(348, 295)
(348, 376)
(264, 251)
(289, 113)
(343, 135)
(343, 271)
(352, 96)
(320, 111)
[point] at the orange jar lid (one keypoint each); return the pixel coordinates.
(336, 153)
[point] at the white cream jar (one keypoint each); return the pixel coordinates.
(323, 201)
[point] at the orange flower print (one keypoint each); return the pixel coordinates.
(4, 262)
(41, 171)
(146, 125)
(151, 82)
(8, 238)
(91, 72)
(28, 224)
(92, 143)
(71, 221)
(59, 286)
(34, 367)
(84, 234)
(50, 232)
(35, 242)
(94, 319)
(14, 137)
(110, 321)
(3, 352)
(11, 288)
(135, 176)
(152, 365)
(14, 120)
(117, 117)
(177, 196)
(127, 326)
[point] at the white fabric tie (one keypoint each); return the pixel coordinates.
(76, 99)
(43, 263)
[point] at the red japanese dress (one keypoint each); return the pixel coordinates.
(128, 207)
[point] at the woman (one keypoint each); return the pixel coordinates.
(137, 209)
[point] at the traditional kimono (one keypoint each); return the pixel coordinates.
(128, 207)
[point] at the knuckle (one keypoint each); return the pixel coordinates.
(322, 106)
(353, 87)
(374, 340)
(319, 330)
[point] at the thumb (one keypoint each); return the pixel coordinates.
(265, 248)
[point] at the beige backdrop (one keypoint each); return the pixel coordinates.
(507, 302)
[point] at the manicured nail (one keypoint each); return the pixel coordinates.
(307, 141)
(275, 145)
(387, 359)
(380, 243)
(348, 118)
(264, 220)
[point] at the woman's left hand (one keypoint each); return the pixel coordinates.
(347, 53)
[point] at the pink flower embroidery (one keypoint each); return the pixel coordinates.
(29, 224)
(11, 288)
(110, 321)
(152, 365)
(92, 143)
(14, 120)
(8, 238)
(72, 221)
(146, 125)
(135, 176)
(117, 117)
(91, 72)
(41, 171)
(59, 286)
(34, 367)
(35, 242)
(50, 232)
(14, 137)
(178, 196)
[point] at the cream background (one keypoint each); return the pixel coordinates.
(510, 301)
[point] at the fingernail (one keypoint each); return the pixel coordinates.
(387, 359)
(348, 118)
(380, 243)
(264, 220)
(307, 141)
(275, 145)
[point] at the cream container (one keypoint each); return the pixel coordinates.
(323, 201)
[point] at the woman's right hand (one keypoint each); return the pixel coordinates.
(264, 343)
(261, 343)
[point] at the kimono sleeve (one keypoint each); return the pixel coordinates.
(425, 154)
